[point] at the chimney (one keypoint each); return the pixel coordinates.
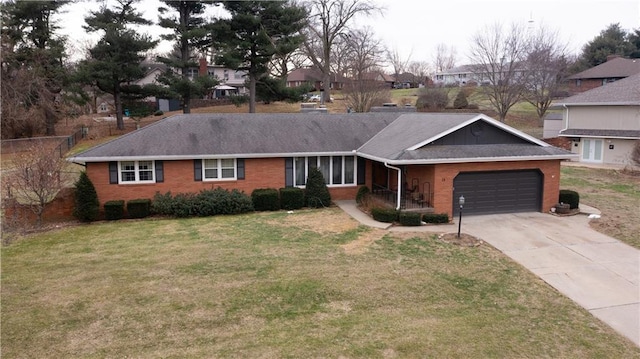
(611, 57)
(203, 67)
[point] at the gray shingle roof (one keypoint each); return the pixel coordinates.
(618, 67)
(621, 92)
(601, 133)
(199, 135)
(382, 136)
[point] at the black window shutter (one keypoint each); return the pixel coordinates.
(240, 164)
(113, 172)
(159, 171)
(362, 170)
(197, 170)
(288, 172)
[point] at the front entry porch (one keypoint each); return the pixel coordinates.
(416, 192)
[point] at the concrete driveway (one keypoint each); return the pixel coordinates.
(598, 272)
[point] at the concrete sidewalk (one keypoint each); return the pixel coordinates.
(596, 271)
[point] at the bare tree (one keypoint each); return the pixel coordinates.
(364, 58)
(420, 70)
(327, 20)
(444, 57)
(547, 64)
(398, 63)
(35, 180)
(499, 62)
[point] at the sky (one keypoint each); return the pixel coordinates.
(414, 28)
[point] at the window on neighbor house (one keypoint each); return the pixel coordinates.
(136, 172)
(219, 169)
(336, 170)
(191, 73)
(104, 107)
(238, 75)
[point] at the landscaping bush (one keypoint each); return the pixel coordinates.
(435, 218)
(460, 101)
(570, 197)
(158, 113)
(114, 210)
(363, 193)
(387, 215)
(291, 198)
(206, 203)
(409, 219)
(239, 100)
(265, 199)
(86, 207)
(316, 193)
(139, 208)
(432, 99)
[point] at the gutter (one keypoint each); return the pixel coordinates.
(399, 184)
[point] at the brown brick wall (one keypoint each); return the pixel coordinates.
(585, 85)
(60, 209)
(178, 178)
(444, 175)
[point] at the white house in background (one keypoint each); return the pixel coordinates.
(604, 123)
(456, 76)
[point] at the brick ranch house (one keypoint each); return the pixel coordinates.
(435, 157)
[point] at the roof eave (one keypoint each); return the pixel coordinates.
(567, 156)
(598, 104)
(601, 136)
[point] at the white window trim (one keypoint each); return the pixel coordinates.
(219, 170)
(137, 172)
(330, 185)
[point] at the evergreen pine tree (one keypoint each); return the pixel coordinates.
(460, 100)
(317, 194)
(86, 199)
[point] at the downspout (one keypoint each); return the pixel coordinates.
(399, 184)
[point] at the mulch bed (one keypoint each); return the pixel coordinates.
(465, 240)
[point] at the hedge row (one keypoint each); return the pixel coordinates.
(271, 199)
(205, 203)
(389, 215)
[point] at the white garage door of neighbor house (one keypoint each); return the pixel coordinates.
(498, 191)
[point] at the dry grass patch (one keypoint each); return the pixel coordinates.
(615, 193)
(270, 285)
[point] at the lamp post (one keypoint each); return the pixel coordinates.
(461, 202)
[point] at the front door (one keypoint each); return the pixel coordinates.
(591, 150)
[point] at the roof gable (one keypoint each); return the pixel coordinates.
(621, 92)
(618, 67)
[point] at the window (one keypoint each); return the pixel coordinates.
(336, 170)
(191, 73)
(136, 172)
(219, 169)
(238, 75)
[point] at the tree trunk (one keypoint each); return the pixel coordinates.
(252, 93)
(118, 103)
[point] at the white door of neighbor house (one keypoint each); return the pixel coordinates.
(592, 150)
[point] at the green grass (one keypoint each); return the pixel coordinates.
(277, 285)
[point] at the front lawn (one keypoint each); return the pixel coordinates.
(615, 193)
(273, 285)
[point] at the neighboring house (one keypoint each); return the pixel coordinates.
(379, 76)
(604, 123)
(552, 124)
(408, 80)
(464, 75)
(422, 160)
(313, 78)
(616, 68)
(227, 78)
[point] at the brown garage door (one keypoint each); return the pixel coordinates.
(498, 191)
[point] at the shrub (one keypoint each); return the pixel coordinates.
(432, 99)
(87, 206)
(158, 113)
(473, 106)
(239, 100)
(291, 198)
(460, 101)
(265, 199)
(570, 197)
(363, 193)
(316, 193)
(409, 219)
(387, 215)
(435, 218)
(114, 210)
(139, 208)
(206, 203)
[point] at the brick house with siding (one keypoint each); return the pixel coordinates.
(614, 69)
(415, 161)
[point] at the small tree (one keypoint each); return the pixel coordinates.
(86, 199)
(432, 99)
(317, 193)
(461, 100)
(635, 153)
(35, 180)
